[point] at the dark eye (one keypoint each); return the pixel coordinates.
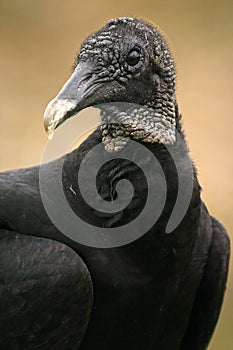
(133, 58)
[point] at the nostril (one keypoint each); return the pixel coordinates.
(86, 78)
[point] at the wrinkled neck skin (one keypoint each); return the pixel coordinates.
(150, 123)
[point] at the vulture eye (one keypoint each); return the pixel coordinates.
(133, 58)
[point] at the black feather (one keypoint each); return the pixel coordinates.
(162, 291)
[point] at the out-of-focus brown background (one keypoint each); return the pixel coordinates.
(39, 40)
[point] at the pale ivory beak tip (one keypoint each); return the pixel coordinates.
(55, 113)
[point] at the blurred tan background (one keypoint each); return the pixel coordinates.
(39, 40)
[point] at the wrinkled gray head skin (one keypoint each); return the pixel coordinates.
(125, 68)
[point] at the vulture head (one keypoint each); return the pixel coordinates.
(126, 70)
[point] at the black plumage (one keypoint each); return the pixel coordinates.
(162, 291)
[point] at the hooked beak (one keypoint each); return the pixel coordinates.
(72, 97)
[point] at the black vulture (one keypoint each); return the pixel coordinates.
(161, 290)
